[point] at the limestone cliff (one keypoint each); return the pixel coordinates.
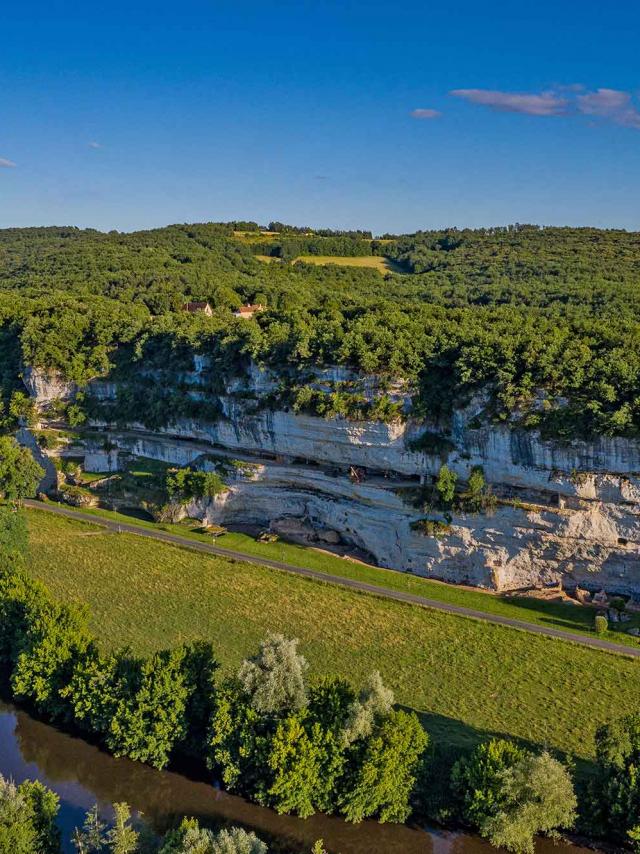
(564, 512)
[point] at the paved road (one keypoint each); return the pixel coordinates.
(352, 584)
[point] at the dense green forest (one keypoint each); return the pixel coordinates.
(544, 319)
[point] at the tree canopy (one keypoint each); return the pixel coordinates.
(544, 319)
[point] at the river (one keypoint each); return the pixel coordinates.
(83, 775)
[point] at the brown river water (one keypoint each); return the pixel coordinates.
(82, 775)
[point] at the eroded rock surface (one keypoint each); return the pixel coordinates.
(565, 513)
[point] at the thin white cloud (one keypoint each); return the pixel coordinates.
(425, 113)
(94, 144)
(542, 104)
(610, 104)
(6, 164)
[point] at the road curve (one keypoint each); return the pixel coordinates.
(350, 583)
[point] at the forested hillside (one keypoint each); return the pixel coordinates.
(546, 320)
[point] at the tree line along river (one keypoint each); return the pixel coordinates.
(82, 775)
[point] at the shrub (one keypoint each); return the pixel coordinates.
(20, 474)
(431, 443)
(475, 779)
(510, 794)
(478, 497)
(618, 604)
(190, 838)
(446, 486)
(601, 624)
(13, 537)
(374, 700)
(274, 678)
(185, 484)
(384, 774)
(47, 642)
(137, 706)
(431, 527)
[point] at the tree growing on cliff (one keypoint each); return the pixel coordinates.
(22, 408)
(446, 486)
(20, 474)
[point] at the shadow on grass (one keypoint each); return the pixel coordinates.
(451, 737)
(575, 617)
(136, 513)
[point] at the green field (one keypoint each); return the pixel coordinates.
(465, 677)
(556, 615)
(376, 262)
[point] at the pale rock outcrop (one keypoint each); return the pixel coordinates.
(47, 386)
(568, 512)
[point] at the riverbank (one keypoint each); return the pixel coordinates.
(82, 775)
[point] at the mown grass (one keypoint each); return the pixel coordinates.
(466, 678)
(557, 615)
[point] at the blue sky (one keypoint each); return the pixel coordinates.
(134, 115)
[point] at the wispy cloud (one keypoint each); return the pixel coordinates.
(94, 144)
(424, 113)
(610, 105)
(6, 164)
(542, 104)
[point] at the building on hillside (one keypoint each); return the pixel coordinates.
(248, 310)
(198, 307)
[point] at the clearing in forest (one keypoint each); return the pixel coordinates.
(377, 262)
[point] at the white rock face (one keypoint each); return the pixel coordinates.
(576, 518)
(47, 387)
(101, 461)
(593, 544)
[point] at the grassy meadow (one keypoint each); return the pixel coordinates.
(557, 615)
(466, 678)
(376, 262)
